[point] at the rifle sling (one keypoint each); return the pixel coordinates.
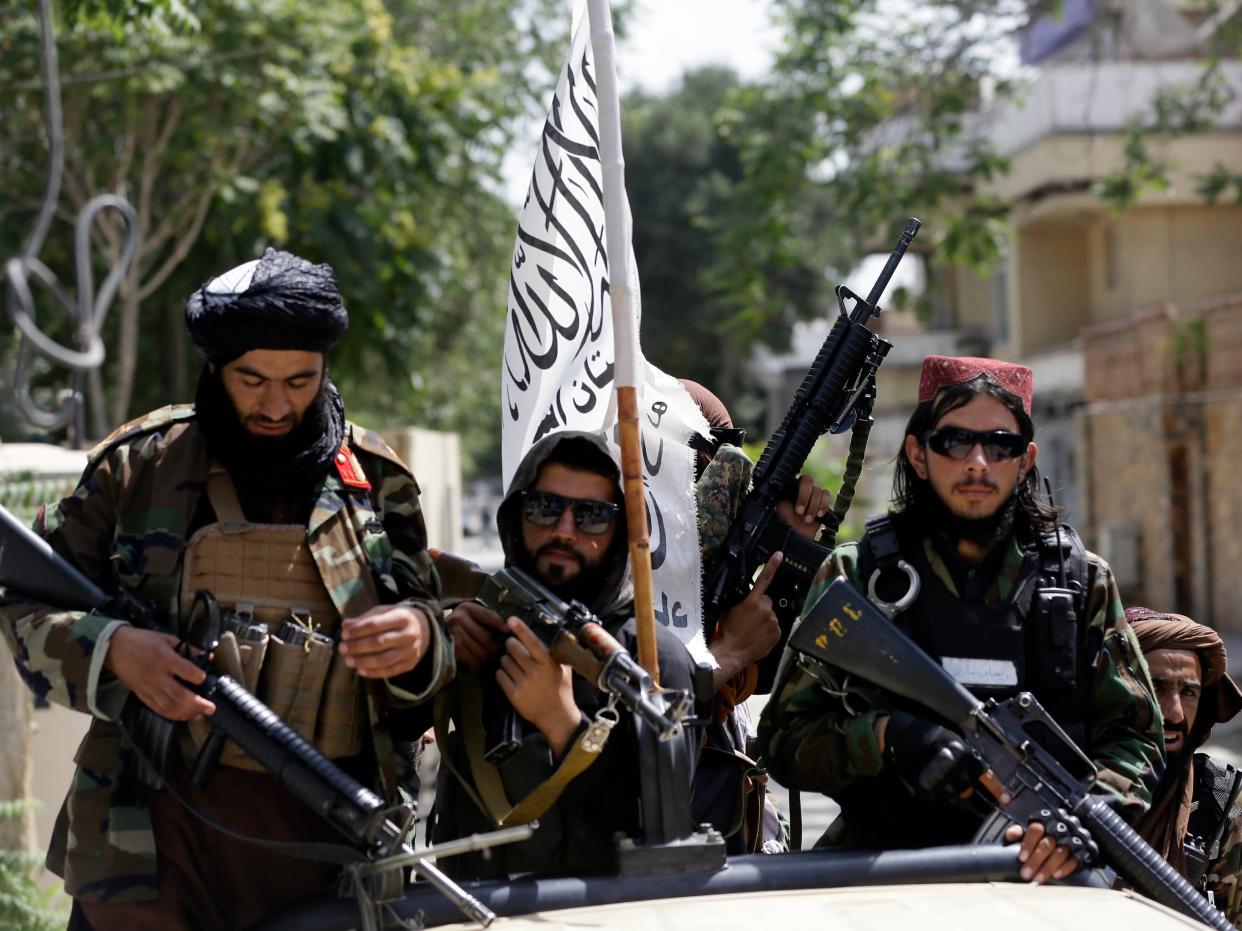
(849, 481)
(490, 798)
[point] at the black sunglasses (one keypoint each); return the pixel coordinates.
(544, 509)
(957, 443)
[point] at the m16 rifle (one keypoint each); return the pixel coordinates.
(1047, 777)
(575, 637)
(837, 394)
(671, 841)
(30, 570)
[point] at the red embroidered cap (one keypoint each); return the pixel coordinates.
(942, 371)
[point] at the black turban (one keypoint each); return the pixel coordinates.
(277, 302)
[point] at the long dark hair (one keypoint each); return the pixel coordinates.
(1040, 515)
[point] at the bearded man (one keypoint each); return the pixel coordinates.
(1195, 821)
(563, 522)
(307, 530)
(965, 563)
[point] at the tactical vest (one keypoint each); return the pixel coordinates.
(1034, 640)
(280, 628)
(1215, 807)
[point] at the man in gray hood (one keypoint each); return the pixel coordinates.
(563, 521)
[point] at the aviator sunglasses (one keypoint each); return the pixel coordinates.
(544, 509)
(957, 443)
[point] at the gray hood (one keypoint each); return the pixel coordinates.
(616, 593)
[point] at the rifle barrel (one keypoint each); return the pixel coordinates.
(1143, 867)
(894, 259)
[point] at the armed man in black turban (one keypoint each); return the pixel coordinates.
(264, 399)
(308, 532)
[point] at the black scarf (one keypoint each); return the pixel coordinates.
(277, 465)
(930, 511)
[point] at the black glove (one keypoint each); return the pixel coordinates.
(1067, 831)
(933, 761)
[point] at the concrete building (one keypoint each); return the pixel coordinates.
(1078, 276)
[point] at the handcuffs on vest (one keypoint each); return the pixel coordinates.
(885, 549)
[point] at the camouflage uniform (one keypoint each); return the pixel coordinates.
(718, 494)
(127, 525)
(818, 741)
(1225, 872)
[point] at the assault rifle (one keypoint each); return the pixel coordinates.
(1016, 739)
(837, 394)
(30, 570)
(670, 840)
(574, 636)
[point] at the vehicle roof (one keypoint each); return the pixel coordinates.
(1011, 906)
(924, 888)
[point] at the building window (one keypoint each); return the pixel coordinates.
(999, 296)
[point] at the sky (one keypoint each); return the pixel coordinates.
(668, 37)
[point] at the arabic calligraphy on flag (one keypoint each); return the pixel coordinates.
(557, 372)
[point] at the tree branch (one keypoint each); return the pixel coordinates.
(184, 244)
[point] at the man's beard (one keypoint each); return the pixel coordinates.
(297, 458)
(584, 585)
(983, 532)
(1173, 758)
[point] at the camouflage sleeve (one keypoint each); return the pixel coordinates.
(1224, 873)
(416, 577)
(818, 732)
(718, 493)
(1123, 719)
(60, 654)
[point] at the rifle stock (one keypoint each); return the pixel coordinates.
(845, 630)
(25, 560)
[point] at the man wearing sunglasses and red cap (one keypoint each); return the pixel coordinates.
(974, 565)
(562, 521)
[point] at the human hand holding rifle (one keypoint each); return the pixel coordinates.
(1048, 795)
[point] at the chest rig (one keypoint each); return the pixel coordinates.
(1216, 806)
(1034, 639)
(280, 627)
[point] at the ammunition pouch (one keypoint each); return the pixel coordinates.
(1217, 785)
(279, 638)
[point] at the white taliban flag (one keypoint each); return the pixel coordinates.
(558, 367)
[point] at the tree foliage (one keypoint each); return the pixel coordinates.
(708, 294)
(369, 134)
(23, 905)
(879, 101)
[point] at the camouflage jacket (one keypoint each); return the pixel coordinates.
(126, 524)
(816, 740)
(1225, 872)
(718, 494)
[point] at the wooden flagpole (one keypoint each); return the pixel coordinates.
(624, 328)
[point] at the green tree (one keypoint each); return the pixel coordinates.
(876, 102)
(368, 134)
(23, 905)
(709, 294)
